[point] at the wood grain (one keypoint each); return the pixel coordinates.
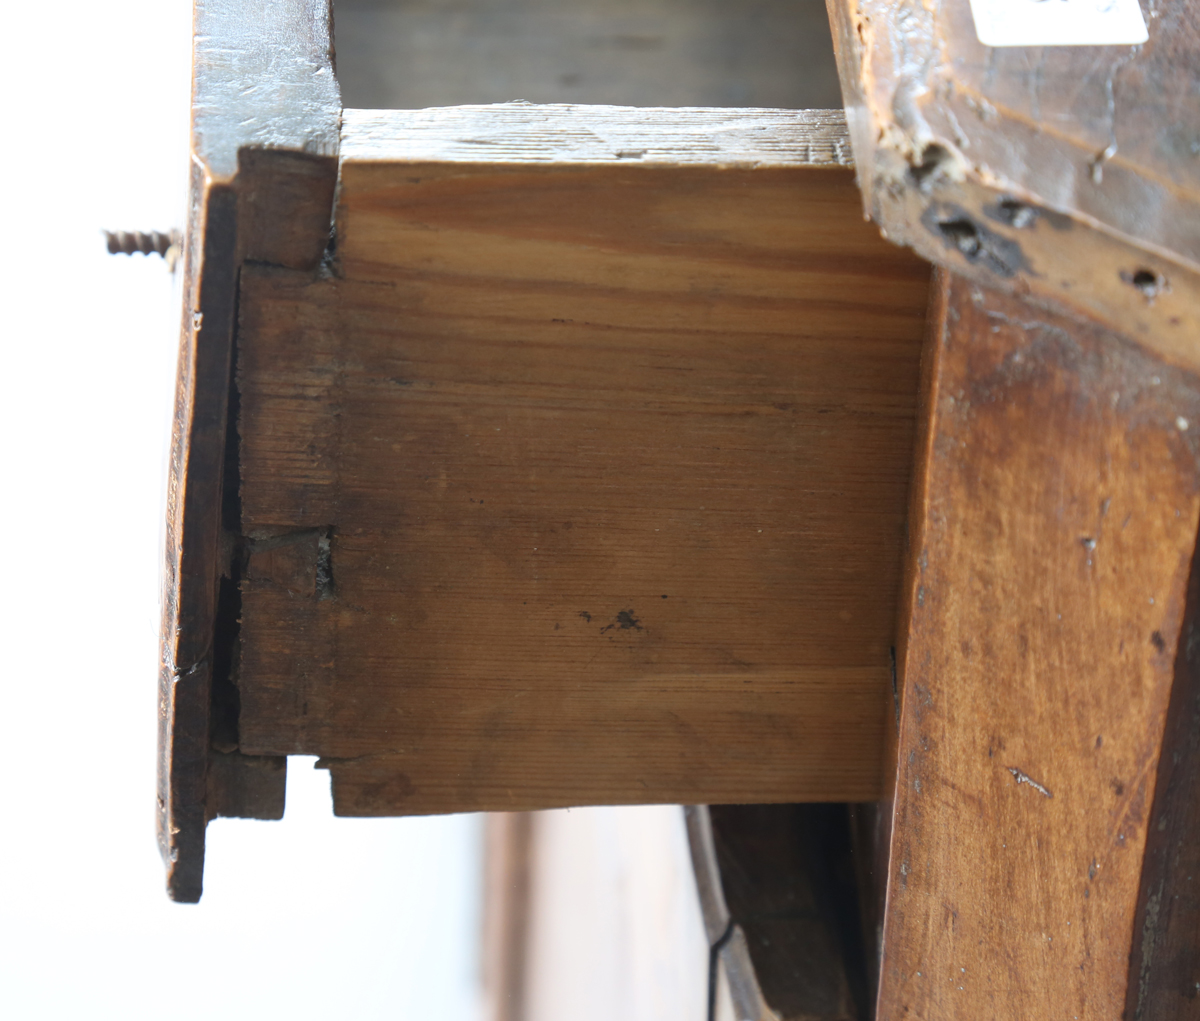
(1056, 508)
(611, 463)
(1065, 173)
(262, 80)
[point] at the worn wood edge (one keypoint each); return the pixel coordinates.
(262, 80)
(925, 194)
(571, 134)
(285, 206)
(245, 786)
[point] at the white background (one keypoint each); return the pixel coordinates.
(311, 917)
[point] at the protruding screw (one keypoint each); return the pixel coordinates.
(125, 242)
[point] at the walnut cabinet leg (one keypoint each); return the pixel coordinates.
(1052, 531)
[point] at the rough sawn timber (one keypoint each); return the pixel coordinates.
(583, 478)
(1056, 498)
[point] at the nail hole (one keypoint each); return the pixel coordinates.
(935, 161)
(963, 234)
(1016, 213)
(1150, 283)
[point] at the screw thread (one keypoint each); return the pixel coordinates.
(124, 242)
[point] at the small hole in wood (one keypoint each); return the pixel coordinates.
(1016, 213)
(963, 234)
(1150, 283)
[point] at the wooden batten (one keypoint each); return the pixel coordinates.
(582, 477)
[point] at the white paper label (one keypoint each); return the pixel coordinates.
(1059, 22)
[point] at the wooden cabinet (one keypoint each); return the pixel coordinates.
(531, 456)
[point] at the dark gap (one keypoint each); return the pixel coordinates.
(411, 54)
(225, 700)
(1150, 283)
(791, 880)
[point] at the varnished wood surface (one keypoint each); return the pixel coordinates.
(426, 53)
(610, 465)
(1055, 515)
(1065, 173)
(262, 79)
